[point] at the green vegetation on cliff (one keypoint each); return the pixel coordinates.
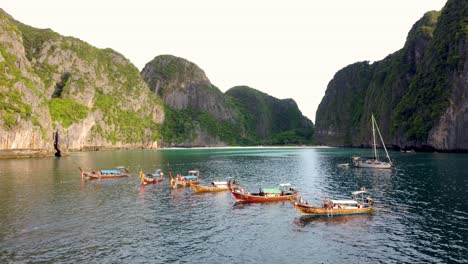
(67, 111)
(270, 121)
(182, 125)
(130, 126)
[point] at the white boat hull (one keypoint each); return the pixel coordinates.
(372, 164)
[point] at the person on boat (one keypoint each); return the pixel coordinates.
(260, 192)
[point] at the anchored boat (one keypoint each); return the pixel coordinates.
(185, 181)
(374, 162)
(283, 193)
(118, 172)
(358, 205)
(151, 178)
(214, 187)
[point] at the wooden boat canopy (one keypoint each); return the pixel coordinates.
(110, 172)
(223, 183)
(353, 202)
(104, 174)
(358, 192)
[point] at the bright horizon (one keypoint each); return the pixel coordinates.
(287, 50)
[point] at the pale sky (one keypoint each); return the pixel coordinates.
(288, 49)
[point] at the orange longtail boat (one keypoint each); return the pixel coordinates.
(151, 178)
(283, 193)
(185, 181)
(215, 187)
(336, 207)
(119, 172)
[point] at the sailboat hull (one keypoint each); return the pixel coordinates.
(372, 164)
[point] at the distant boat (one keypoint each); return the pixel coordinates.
(336, 207)
(151, 178)
(283, 193)
(185, 181)
(374, 162)
(118, 172)
(343, 165)
(215, 187)
(408, 151)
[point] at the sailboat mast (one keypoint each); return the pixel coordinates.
(373, 137)
(383, 143)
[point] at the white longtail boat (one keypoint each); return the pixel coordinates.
(374, 162)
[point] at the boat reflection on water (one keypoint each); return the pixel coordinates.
(305, 220)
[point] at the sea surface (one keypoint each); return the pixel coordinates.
(49, 215)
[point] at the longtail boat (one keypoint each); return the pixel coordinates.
(283, 193)
(185, 181)
(336, 207)
(215, 187)
(151, 178)
(118, 172)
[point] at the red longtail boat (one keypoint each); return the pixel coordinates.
(118, 172)
(283, 193)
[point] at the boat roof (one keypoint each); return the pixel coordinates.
(190, 177)
(193, 171)
(358, 192)
(271, 190)
(120, 167)
(110, 171)
(219, 183)
(157, 170)
(344, 202)
(285, 184)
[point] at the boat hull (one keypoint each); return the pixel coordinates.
(96, 177)
(202, 189)
(321, 211)
(152, 180)
(249, 198)
(178, 184)
(374, 165)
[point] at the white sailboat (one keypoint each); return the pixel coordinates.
(374, 162)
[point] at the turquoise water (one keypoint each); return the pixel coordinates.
(48, 214)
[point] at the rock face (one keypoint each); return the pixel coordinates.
(24, 117)
(182, 84)
(94, 98)
(267, 115)
(199, 114)
(417, 94)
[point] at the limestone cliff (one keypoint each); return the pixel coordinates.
(198, 113)
(182, 84)
(418, 94)
(95, 98)
(266, 115)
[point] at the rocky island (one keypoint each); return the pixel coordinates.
(419, 94)
(56, 87)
